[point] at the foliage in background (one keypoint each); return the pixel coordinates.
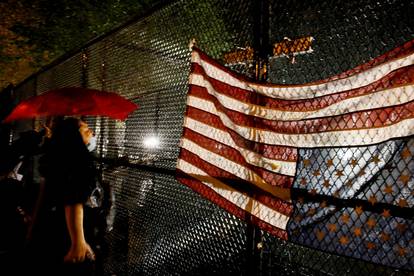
(34, 33)
(17, 52)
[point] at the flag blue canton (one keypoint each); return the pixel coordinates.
(357, 202)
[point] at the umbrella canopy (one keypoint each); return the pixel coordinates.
(73, 101)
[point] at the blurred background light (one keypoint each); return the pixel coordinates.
(151, 142)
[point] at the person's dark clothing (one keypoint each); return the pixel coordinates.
(69, 174)
(13, 226)
(16, 194)
(27, 145)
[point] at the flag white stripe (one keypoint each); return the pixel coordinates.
(357, 137)
(294, 92)
(251, 157)
(239, 199)
(384, 98)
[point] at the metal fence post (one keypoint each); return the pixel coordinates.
(261, 49)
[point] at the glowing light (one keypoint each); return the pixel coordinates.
(151, 142)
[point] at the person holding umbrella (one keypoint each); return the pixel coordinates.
(59, 240)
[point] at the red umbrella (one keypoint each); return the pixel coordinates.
(73, 101)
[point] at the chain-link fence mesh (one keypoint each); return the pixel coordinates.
(162, 227)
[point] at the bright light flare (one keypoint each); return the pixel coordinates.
(151, 142)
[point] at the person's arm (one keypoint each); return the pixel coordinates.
(79, 249)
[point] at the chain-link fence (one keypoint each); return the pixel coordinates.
(161, 226)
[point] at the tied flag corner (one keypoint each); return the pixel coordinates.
(328, 164)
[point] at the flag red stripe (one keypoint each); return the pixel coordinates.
(402, 76)
(237, 183)
(356, 120)
(282, 153)
(235, 156)
(225, 204)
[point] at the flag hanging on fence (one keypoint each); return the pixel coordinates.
(328, 164)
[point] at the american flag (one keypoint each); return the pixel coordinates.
(327, 164)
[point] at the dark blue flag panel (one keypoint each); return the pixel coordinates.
(357, 202)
